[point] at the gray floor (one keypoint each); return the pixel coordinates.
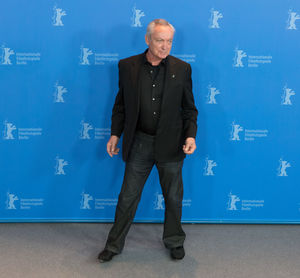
(70, 250)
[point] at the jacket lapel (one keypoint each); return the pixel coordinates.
(135, 79)
(169, 78)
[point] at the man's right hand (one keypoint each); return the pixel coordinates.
(111, 146)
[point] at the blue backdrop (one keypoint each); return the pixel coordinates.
(59, 78)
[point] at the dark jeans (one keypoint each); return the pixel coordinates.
(140, 163)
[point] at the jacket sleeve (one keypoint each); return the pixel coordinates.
(118, 111)
(189, 110)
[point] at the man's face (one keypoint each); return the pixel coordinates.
(160, 42)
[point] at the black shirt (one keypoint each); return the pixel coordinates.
(152, 80)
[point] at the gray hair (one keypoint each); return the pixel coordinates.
(156, 22)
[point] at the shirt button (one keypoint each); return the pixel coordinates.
(153, 85)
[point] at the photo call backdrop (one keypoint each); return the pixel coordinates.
(59, 79)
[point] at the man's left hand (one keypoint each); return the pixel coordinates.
(190, 145)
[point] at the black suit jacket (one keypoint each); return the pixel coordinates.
(178, 116)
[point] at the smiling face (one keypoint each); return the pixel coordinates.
(160, 43)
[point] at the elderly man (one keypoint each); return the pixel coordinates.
(155, 111)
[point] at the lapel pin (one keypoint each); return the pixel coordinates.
(173, 76)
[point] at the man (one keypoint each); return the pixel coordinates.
(155, 111)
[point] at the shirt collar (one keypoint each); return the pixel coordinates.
(145, 61)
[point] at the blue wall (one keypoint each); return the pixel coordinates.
(59, 78)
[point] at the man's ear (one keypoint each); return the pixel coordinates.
(146, 40)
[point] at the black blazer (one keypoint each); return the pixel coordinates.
(178, 116)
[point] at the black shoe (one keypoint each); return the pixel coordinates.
(106, 256)
(177, 253)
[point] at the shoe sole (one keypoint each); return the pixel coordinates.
(177, 259)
